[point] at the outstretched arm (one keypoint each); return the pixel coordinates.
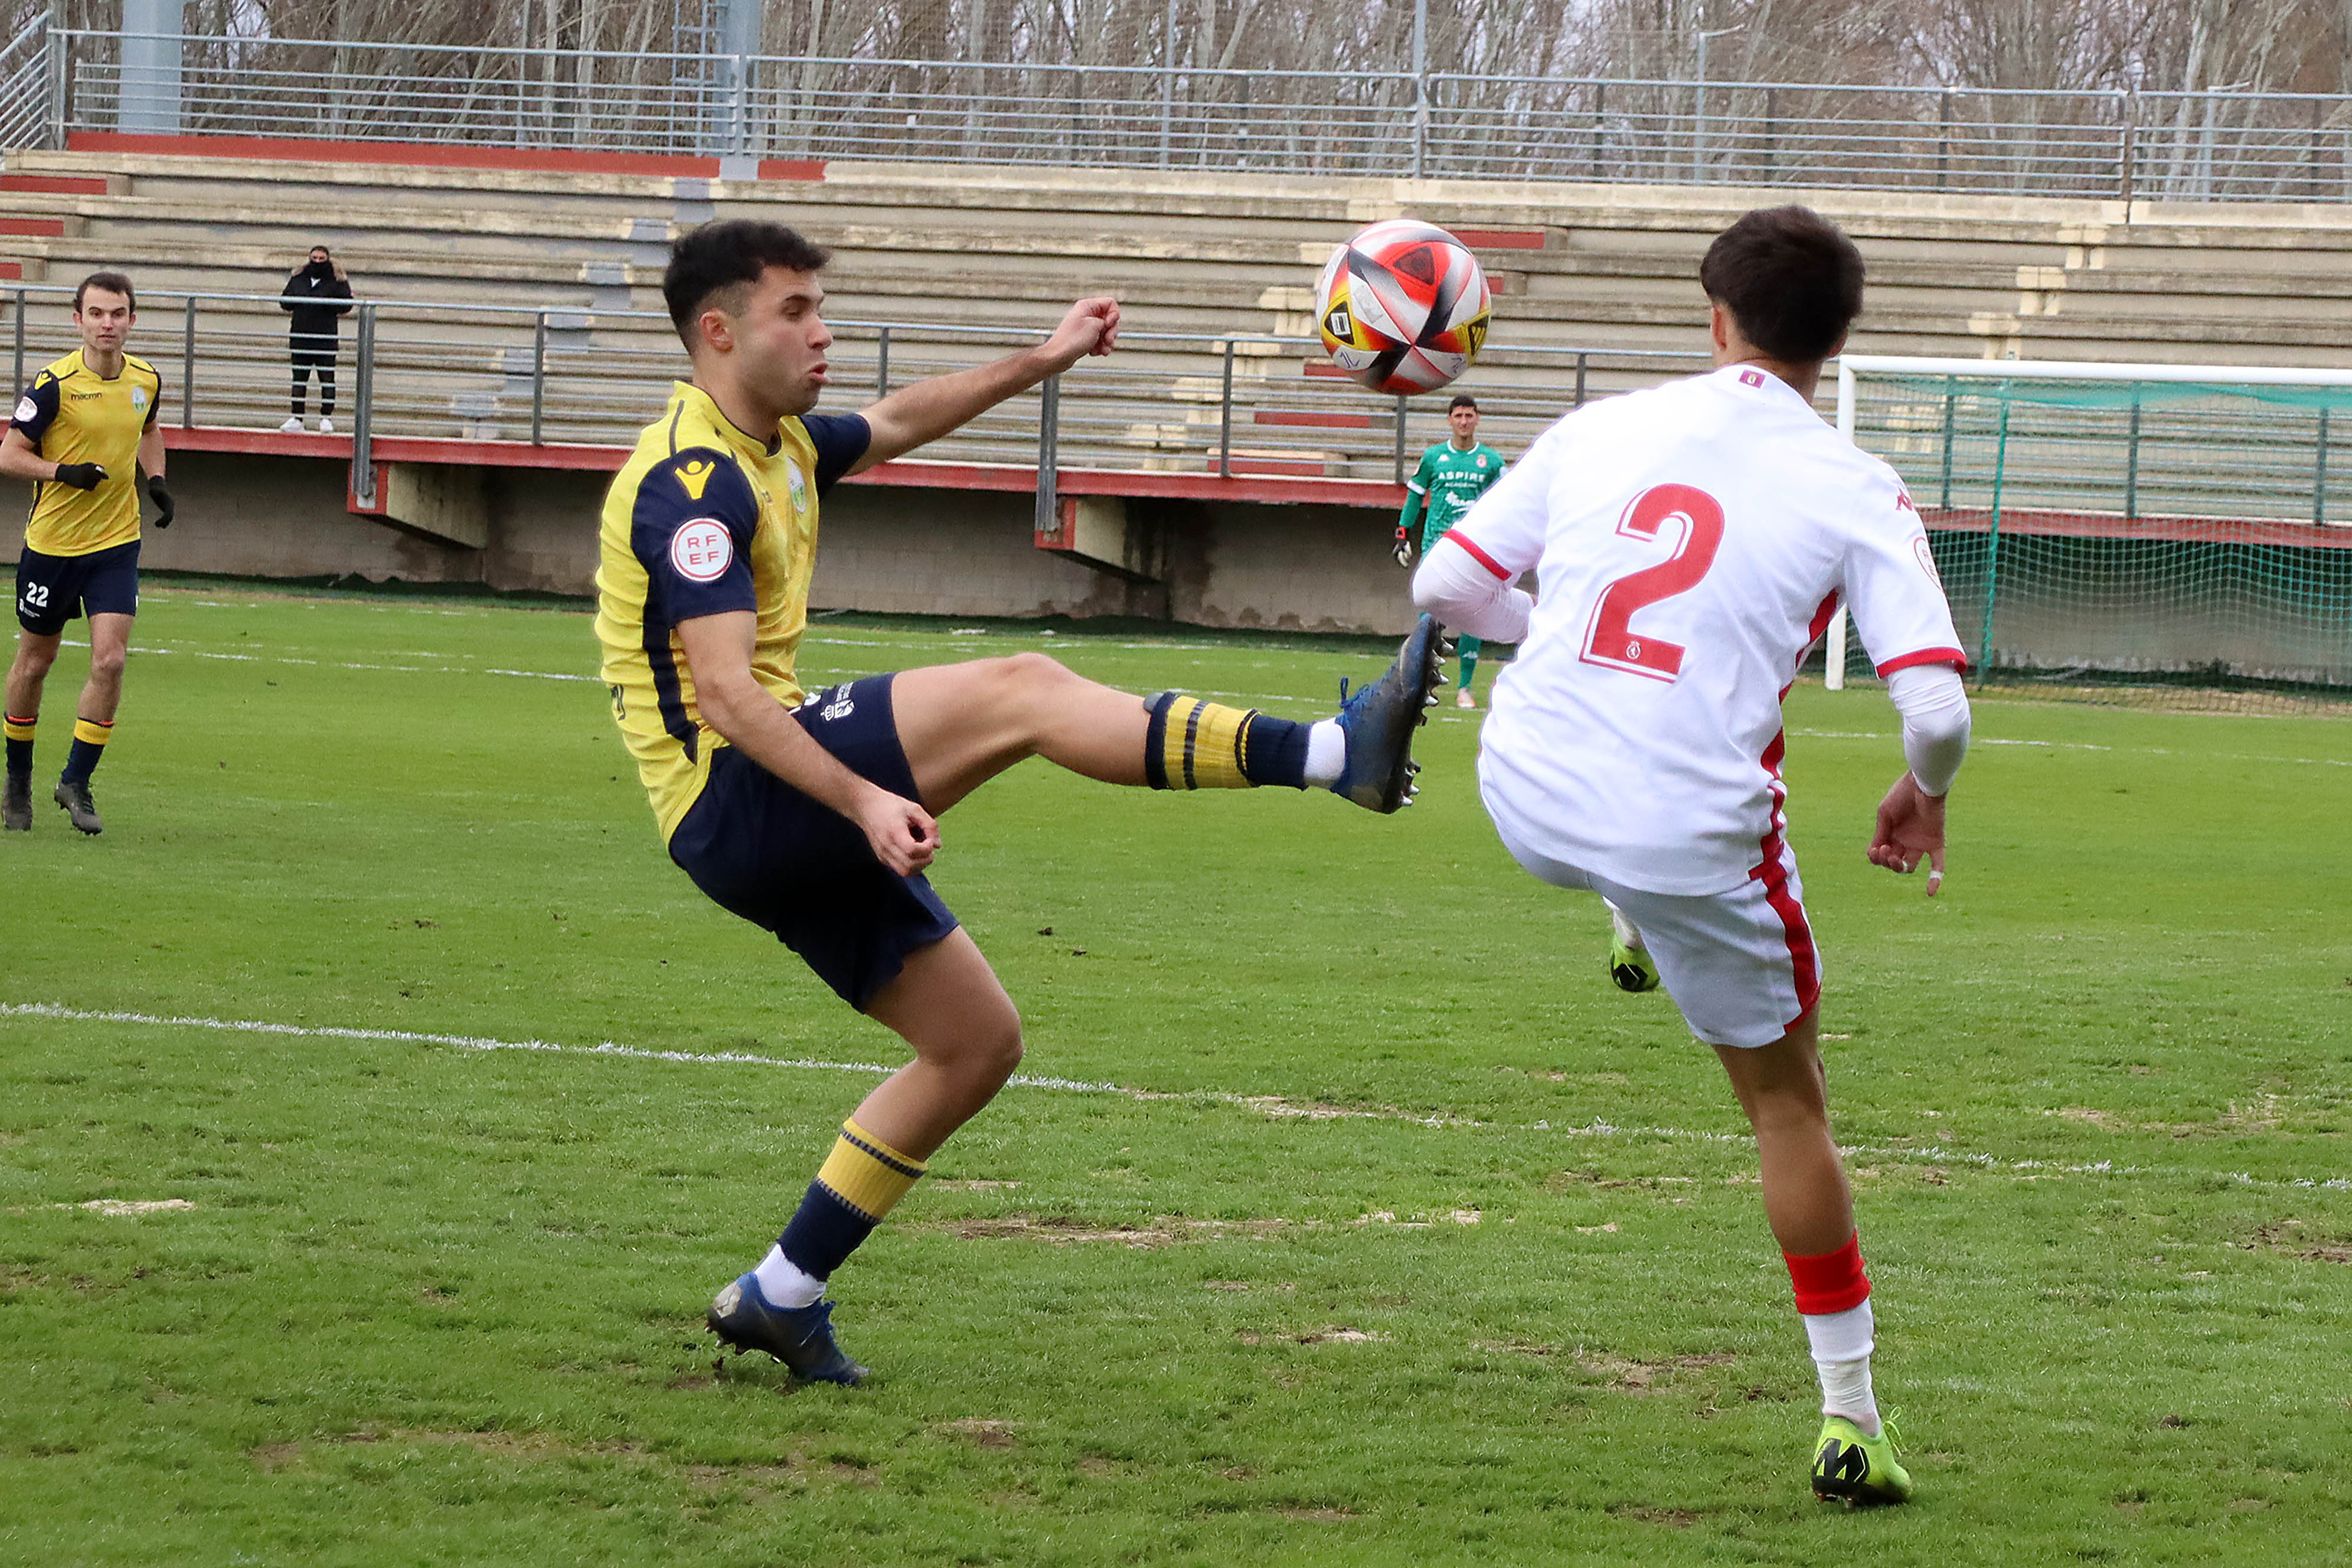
(930, 409)
(1470, 593)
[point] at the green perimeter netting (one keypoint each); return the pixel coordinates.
(2132, 538)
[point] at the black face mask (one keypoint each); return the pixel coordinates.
(319, 269)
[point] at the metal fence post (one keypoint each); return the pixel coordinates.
(2131, 461)
(1993, 539)
(1951, 401)
(1400, 439)
(538, 378)
(1420, 89)
(1580, 361)
(1167, 81)
(1049, 442)
(1226, 418)
(364, 412)
(188, 366)
(18, 380)
(2319, 474)
(59, 50)
(1944, 141)
(2130, 151)
(882, 367)
(1600, 130)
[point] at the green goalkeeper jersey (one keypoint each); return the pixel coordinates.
(1442, 488)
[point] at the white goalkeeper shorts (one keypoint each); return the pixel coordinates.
(1741, 964)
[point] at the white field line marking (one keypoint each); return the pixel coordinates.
(2088, 746)
(355, 664)
(1236, 696)
(1274, 1106)
(528, 674)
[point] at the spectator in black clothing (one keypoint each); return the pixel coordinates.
(314, 297)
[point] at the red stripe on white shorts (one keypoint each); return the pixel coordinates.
(1772, 870)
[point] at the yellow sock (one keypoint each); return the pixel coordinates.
(866, 1174)
(1193, 744)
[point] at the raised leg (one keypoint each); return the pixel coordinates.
(963, 724)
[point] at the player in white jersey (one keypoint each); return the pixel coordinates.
(1690, 544)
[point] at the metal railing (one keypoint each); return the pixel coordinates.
(1229, 405)
(25, 90)
(2202, 146)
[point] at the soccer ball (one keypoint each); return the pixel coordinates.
(1402, 307)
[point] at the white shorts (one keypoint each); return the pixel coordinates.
(1741, 964)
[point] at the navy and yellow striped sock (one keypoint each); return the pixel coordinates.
(861, 1181)
(88, 746)
(1193, 745)
(20, 745)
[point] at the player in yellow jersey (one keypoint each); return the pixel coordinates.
(81, 433)
(815, 814)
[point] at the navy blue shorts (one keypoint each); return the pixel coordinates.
(54, 589)
(763, 850)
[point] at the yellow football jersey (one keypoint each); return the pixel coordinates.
(72, 414)
(703, 518)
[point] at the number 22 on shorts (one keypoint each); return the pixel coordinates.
(1698, 524)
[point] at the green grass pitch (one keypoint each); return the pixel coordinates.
(1387, 1232)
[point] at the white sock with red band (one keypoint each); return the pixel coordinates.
(1834, 1296)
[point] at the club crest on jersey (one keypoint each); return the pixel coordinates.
(798, 486)
(694, 476)
(701, 550)
(138, 399)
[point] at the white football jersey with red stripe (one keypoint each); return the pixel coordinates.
(1690, 542)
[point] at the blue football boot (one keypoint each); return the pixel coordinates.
(800, 1336)
(1379, 721)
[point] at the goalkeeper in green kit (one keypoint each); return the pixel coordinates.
(1453, 474)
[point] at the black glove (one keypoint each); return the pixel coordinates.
(81, 476)
(164, 511)
(1404, 549)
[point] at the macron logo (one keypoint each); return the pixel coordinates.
(701, 550)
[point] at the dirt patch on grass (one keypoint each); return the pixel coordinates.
(119, 1207)
(1319, 1515)
(1064, 1231)
(2294, 1237)
(1630, 1376)
(972, 1184)
(1333, 1335)
(1672, 1517)
(977, 1429)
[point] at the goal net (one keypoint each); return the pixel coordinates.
(2178, 535)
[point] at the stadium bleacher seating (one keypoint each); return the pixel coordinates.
(1609, 269)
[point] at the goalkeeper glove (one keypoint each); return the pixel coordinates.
(1404, 548)
(164, 511)
(81, 476)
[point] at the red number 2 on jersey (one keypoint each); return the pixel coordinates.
(1611, 639)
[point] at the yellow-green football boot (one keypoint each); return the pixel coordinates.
(1860, 1471)
(1629, 961)
(1631, 968)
